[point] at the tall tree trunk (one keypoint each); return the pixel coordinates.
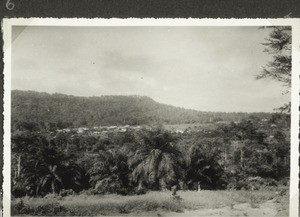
(242, 157)
(225, 159)
(19, 166)
(53, 187)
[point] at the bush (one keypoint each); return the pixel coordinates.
(123, 191)
(140, 190)
(107, 185)
(283, 191)
(253, 183)
(47, 207)
(67, 192)
(18, 190)
(50, 208)
(20, 207)
(258, 183)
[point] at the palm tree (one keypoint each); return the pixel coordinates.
(156, 161)
(56, 171)
(24, 146)
(52, 178)
(109, 172)
(25, 149)
(203, 166)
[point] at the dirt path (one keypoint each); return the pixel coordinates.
(267, 209)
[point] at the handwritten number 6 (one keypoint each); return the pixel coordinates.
(10, 5)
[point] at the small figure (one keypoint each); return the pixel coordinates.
(199, 188)
(174, 190)
(174, 195)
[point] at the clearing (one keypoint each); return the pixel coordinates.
(205, 203)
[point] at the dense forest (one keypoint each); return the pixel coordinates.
(61, 111)
(243, 151)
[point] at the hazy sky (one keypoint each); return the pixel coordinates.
(203, 68)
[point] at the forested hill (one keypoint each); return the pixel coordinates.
(30, 106)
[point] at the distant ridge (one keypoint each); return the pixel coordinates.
(31, 106)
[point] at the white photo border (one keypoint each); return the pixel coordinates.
(7, 24)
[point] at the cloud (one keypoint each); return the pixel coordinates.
(117, 61)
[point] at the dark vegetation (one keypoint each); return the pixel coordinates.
(247, 154)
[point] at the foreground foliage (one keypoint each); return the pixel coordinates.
(251, 154)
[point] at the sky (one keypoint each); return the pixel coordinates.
(202, 68)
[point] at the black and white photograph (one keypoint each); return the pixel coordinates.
(150, 120)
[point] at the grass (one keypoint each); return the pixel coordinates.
(282, 202)
(91, 205)
(217, 199)
(122, 204)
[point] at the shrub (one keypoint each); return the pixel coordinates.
(253, 183)
(258, 183)
(20, 207)
(50, 208)
(141, 190)
(46, 207)
(18, 190)
(283, 191)
(109, 185)
(123, 191)
(67, 192)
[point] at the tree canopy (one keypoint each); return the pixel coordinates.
(279, 45)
